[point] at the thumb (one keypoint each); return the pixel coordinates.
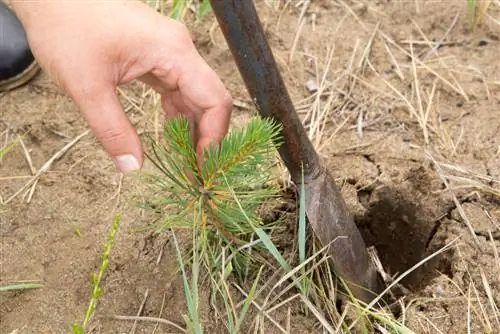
(103, 111)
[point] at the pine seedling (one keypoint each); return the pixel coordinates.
(190, 196)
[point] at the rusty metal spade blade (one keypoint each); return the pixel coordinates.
(325, 208)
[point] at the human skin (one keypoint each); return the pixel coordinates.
(89, 48)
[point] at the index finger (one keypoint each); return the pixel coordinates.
(211, 102)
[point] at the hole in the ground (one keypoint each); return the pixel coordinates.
(399, 228)
(364, 196)
(398, 222)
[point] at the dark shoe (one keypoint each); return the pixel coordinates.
(17, 64)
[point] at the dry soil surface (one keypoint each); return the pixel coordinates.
(410, 100)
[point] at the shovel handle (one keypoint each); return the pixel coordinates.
(325, 208)
(246, 39)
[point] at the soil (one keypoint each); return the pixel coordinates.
(392, 175)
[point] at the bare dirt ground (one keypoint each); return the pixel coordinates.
(411, 97)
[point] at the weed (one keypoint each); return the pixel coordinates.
(179, 8)
(97, 291)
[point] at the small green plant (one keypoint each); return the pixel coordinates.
(179, 8)
(201, 199)
(97, 291)
(216, 203)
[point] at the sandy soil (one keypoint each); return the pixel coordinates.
(392, 171)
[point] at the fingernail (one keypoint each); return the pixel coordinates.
(126, 163)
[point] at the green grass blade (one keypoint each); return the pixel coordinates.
(261, 234)
(187, 290)
(204, 9)
(20, 286)
(177, 9)
(228, 303)
(248, 300)
(191, 297)
(272, 248)
(8, 148)
(472, 5)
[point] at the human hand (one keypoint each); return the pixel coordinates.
(89, 48)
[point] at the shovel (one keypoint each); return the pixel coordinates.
(325, 209)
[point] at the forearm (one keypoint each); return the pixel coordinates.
(30, 11)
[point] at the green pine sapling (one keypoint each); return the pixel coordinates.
(189, 196)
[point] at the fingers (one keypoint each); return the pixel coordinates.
(201, 92)
(105, 116)
(211, 101)
(169, 108)
(190, 87)
(214, 124)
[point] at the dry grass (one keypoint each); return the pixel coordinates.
(422, 101)
(45, 167)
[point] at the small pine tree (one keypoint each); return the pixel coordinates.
(189, 197)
